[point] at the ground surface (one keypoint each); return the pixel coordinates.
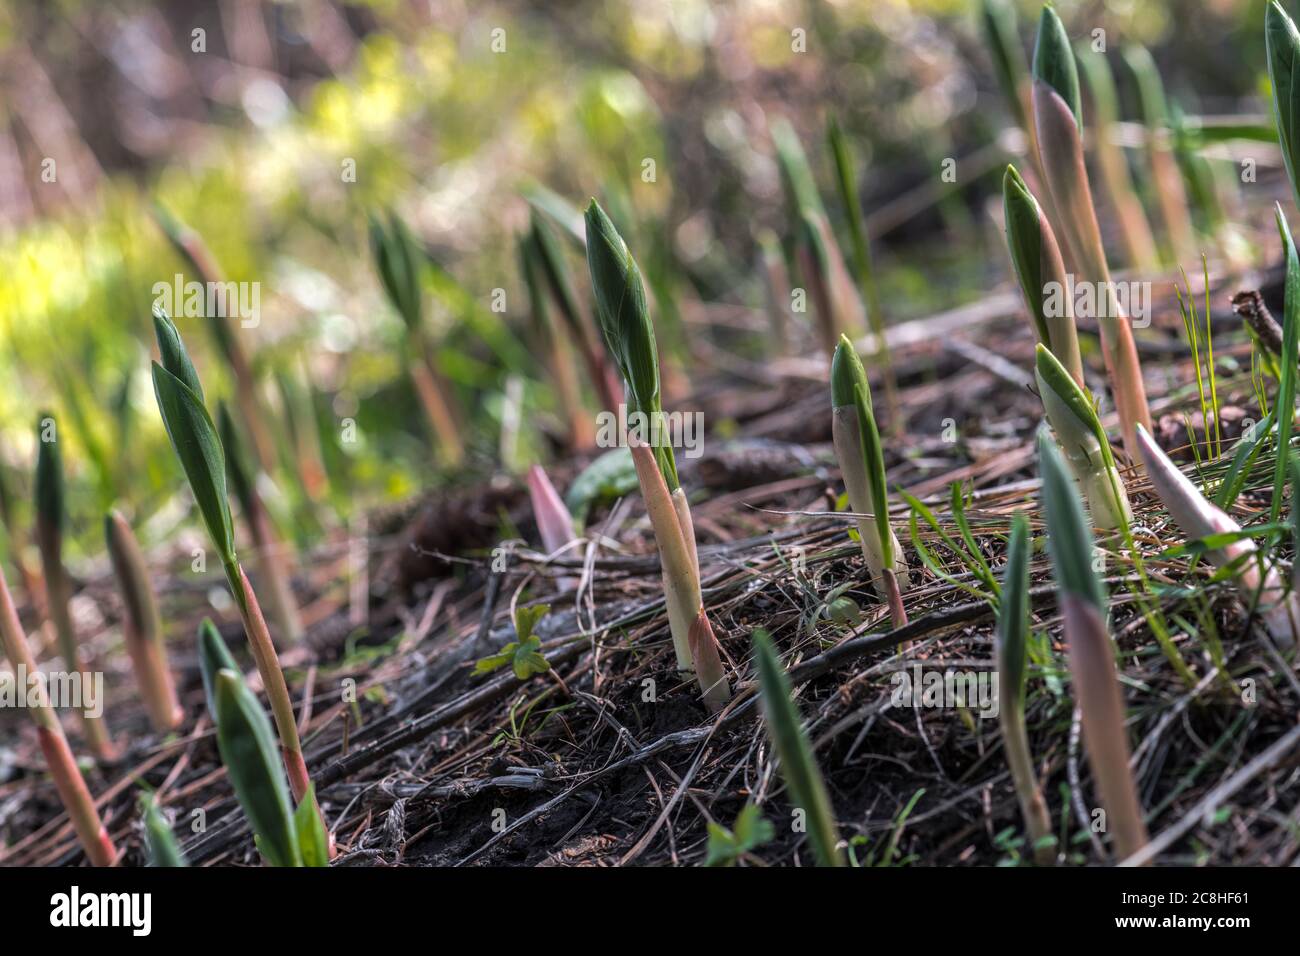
(610, 759)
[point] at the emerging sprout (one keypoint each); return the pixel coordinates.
(1257, 577)
(846, 179)
(559, 358)
(214, 656)
(65, 773)
(50, 520)
(194, 438)
(1286, 393)
(524, 654)
(998, 19)
(273, 558)
(839, 309)
(189, 245)
(554, 523)
(1134, 228)
(1087, 450)
(862, 463)
(629, 337)
(1092, 655)
(1282, 50)
(1012, 633)
(1038, 264)
(837, 306)
(399, 261)
(247, 746)
(1058, 119)
(141, 626)
(160, 841)
(550, 271)
(1170, 193)
(798, 765)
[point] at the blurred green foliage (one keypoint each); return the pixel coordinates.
(440, 125)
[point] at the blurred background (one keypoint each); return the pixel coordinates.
(273, 127)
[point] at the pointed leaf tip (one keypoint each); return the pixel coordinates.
(1054, 61)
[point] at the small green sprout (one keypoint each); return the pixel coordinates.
(62, 765)
(1058, 120)
(750, 831)
(1092, 653)
(141, 625)
(1012, 641)
(524, 654)
(1038, 264)
(159, 840)
(798, 764)
(1087, 450)
(51, 520)
(399, 262)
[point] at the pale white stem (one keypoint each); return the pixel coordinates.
(1200, 518)
(848, 448)
(1100, 482)
(681, 583)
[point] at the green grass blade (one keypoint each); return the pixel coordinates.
(1069, 536)
(798, 766)
(159, 840)
(249, 751)
(1285, 404)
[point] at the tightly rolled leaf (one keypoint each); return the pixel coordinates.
(398, 260)
(1135, 229)
(798, 765)
(1054, 65)
(1087, 450)
(214, 657)
(675, 537)
(159, 840)
(1282, 50)
(314, 843)
(625, 325)
(857, 446)
(1092, 655)
(272, 556)
(193, 435)
(846, 179)
(50, 521)
(1059, 124)
(998, 19)
(554, 523)
(247, 746)
(796, 174)
(1038, 264)
(1012, 635)
(551, 272)
(1069, 535)
(836, 301)
(1286, 393)
(189, 245)
(1256, 576)
(141, 625)
(68, 780)
(1295, 522)
(1170, 192)
(559, 354)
